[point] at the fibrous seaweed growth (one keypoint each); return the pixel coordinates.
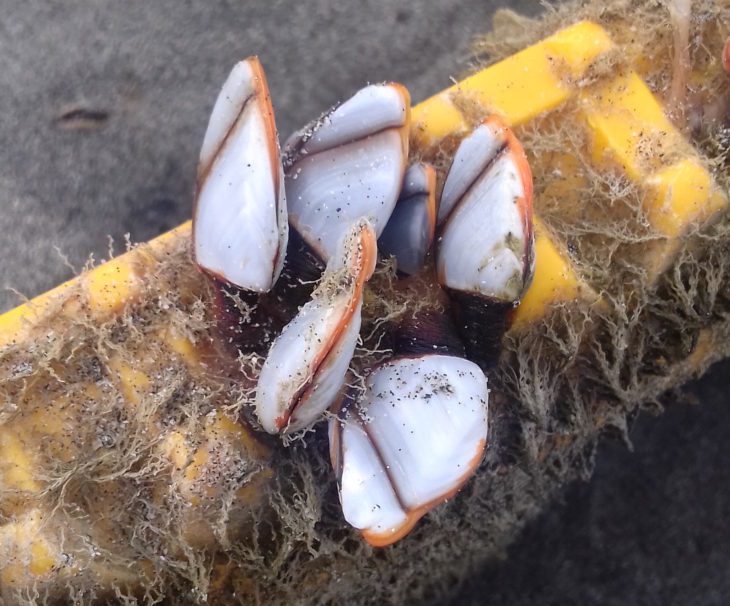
(130, 472)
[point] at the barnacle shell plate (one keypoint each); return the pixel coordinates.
(486, 238)
(348, 165)
(410, 230)
(421, 435)
(240, 222)
(306, 365)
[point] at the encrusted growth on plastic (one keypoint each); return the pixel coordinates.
(147, 481)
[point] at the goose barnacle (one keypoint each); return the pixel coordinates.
(408, 236)
(485, 253)
(348, 164)
(417, 429)
(240, 224)
(414, 436)
(306, 365)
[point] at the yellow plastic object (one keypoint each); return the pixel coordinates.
(195, 461)
(14, 324)
(629, 130)
(33, 554)
(132, 382)
(16, 464)
(180, 345)
(629, 134)
(680, 195)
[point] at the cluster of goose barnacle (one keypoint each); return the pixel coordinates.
(418, 430)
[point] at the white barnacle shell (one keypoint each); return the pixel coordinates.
(306, 365)
(420, 436)
(485, 217)
(410, 230)
(240, 224)
(349, 164)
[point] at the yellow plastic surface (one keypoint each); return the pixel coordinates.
(133, 382)
(41, 559)
(681, 195)
(195, 460)
(523, 86)
(106, 289)
(630, 131)
(629, 126)
(32, 554)
(14, 323)
(555, 281)
(112, 285)
(180, 345)
(16, 464)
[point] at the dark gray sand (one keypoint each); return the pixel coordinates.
(103, 107)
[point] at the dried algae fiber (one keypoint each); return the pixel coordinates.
(129, 472)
